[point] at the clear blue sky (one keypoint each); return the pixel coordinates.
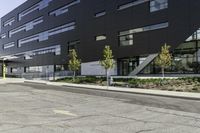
(8, 5)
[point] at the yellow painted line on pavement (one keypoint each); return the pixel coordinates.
(63, 112)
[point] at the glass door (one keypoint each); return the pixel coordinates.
(126, 66)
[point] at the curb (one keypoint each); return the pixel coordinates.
(180, 95)
(139, 93)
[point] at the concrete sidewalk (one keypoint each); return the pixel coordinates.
(183, 95)
(11, 80)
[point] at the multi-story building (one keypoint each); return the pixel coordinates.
(37, 36)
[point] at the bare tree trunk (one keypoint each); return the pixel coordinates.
(74, 75)
(163, 72)
(107, 77)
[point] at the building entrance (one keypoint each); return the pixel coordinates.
(127, 65)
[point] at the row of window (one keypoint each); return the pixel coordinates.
(33, 69)
(64, 9)
(42, 36)
(155, 5)
(56, 50)
(46, 34)
(130, 4)
(53, 49)
(38, 6)
(26, 27)
(39, 69)
(44, 70)
(8, 45)
(126, 37)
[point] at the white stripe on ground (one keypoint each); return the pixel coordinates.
(63, 112)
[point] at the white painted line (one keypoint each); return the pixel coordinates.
(63, 112)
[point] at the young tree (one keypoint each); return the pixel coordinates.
(164, 59)
(108, 61)
(74, 63)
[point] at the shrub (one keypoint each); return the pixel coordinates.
(190, 84)
(87, 79)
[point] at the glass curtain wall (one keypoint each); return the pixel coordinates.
(186, 58)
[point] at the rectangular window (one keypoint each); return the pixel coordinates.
(99, 14)
(27, 40)
(100, 38)
(26, 27)
(73, 45)
(2, 36)
(147, 28)
(35, 69)
(156, 5)
(9, 22)
(8, 45)
(64, 9)
(126, 37)
(14, 70)
(126, 40)
(156, 26)
(130, 4)
(43, 36)
(59, 68)
(46, 34)
(38, 6)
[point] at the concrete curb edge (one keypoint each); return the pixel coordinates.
(112, 89)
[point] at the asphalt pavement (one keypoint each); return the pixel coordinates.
(39, 108)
